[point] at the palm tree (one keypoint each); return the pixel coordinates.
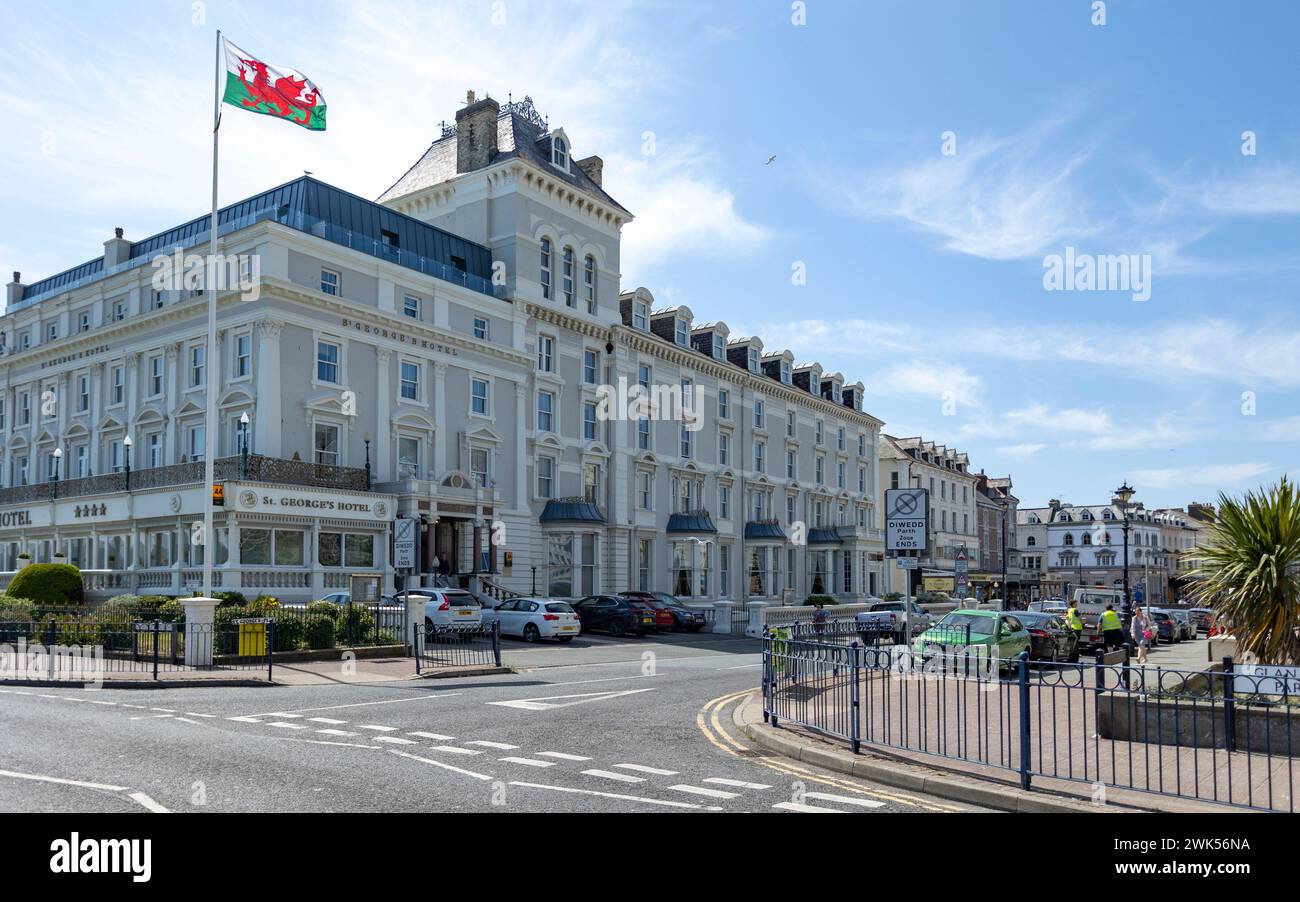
(1249, 571)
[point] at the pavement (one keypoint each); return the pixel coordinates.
(598, 725)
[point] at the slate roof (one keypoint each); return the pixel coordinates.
(516, 138)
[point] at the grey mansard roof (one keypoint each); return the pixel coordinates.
(516, 138)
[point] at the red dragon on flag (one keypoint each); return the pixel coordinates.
(283, 93)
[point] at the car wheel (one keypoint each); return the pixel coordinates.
(564, 639)
(617, 629)
(428, 628)
(1074, 655)
(531, 633)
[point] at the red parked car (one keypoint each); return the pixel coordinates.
(642, 601)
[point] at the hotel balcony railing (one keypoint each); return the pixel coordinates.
(260, 469)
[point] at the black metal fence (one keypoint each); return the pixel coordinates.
(1228, 734)
(456, 647)
(90, 650)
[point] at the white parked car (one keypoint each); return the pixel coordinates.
(448, 609)
(342, 598)
(535, 618)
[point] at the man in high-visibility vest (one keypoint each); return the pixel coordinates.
(1112, 628)
(1074, 621)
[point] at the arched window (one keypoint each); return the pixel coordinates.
(589, 283)
(1032, 542)
(546, 269)
(567, 277)
(560, 153)
(1069, 538)
(1087, 538)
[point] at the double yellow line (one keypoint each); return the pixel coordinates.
(709, 720)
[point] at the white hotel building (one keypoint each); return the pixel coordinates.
(385, 372)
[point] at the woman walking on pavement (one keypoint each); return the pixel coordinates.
(1140, 630)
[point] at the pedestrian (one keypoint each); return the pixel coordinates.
(444, 566)
(1074, 621)
(819, 617)
(1140, 630)
(1112, 629)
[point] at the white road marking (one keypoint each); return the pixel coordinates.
(704, 791)
(286, 726)
(187, 720)
(805, 809)
(187, 713)
(742, 666)
(242, 719)
(41, 778)
(124, 705)
(548, 702)
(530, 762)
(376, 727)
(738, 784)
(329, 720)
(437, 737)
(164, 710)
(562, 756)
(337, 733)
(614, 795)
(456, 750)
(395, 740)
(503, 746)
(442, 764)
(284, 714)
(95, 701)
(149, 803)
(351, 745)
(847, 800)
(152, 716)
(610, 775)
(387, 701)
(641, 768)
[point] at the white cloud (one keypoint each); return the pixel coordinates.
(927, 379)
(1262, 189)
(1287, 430)
(996, 198)
(680, 209)
(1020, 452)
(1213, 475)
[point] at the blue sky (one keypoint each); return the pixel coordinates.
(924, 269)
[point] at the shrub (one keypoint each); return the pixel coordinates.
(317, 631)
(57, 584)
(70, 630)
(387, 637)
(356, 624)
(171, 611)
(327, 608)
(227, 599)
(893, 596)
(819, 599)
(263, 606)
(15, 608)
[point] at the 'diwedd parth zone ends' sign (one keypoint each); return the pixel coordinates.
(907, 514)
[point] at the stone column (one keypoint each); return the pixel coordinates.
(267, 413)
(171, 453)
(200, 613)
(441, 418)
(521, 447)
(414, 618)
(380, 464)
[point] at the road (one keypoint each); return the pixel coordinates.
(600, 725)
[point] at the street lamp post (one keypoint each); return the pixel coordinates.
(1003, 593)
(243, 441)
(54, 480)
(1124, 493)
(367, 441)
(126, 461)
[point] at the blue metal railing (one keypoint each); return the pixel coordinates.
(1228, 735)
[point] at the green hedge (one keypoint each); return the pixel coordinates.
(56, 584)
(819, 599)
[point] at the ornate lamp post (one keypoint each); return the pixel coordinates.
(367, 441)
(243, 445)
(126, 448)
(1124, 493)
(54, 480)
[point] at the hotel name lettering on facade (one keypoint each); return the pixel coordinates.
(79, 355)
(393, 334)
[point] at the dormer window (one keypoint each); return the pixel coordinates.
(560, 152)
(719, 352)
(641, 316)
(753, 360)
(785, 372)
(683, 332)
(835, 392)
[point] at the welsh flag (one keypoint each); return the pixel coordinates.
(258, 86)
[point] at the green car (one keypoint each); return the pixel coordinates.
(1001, 633)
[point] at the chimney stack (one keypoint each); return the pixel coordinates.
(594, 167)
(476, 133)
(14, 291)
(117, 250)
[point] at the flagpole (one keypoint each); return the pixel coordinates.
(211, 366)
